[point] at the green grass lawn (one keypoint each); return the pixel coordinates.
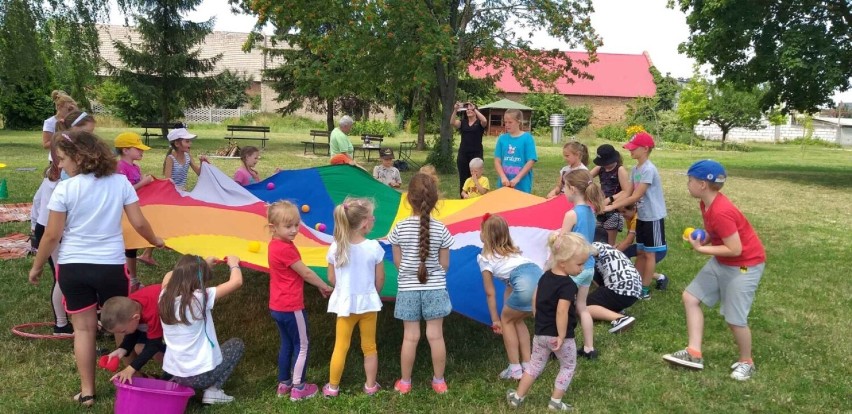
(797, 199)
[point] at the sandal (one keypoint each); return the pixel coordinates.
(84, 400)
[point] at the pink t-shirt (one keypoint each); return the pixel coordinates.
(130, 170)
(243, 177)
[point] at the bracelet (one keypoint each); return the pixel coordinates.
(234, 267)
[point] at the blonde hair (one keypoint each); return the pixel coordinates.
(118, 310)
(348, 217)
(284, 212)
(476, 163)
(564, 246)
(423, 196)
(577, 147)
(496, 239)
(582, 181)
(517, 114)
(61, 99)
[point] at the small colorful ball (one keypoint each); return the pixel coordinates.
(306, 208)
(270, 186)
(254, 246)
(687, 232)
(320, 226)
(699, 234)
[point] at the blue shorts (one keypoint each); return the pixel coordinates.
(523, 280)
(416, 305)
(585, 277)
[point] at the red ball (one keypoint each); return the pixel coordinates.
(109, 364)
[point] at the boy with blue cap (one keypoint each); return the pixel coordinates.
(730, 276)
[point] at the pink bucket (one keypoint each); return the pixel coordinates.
(147, 395)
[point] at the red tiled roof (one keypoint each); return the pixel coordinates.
(614, 75)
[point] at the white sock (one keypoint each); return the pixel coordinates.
(58, 308)
(556, 400)
(515, 367)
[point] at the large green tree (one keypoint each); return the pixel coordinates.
(409, 45)
(729, 108)
(165, 71)
(25, 79)
(800, 50)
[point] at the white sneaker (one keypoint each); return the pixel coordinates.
(214, 395)
(742, 371)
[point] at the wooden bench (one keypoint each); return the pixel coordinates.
(371, 143)
(158, 129)
(313, 143)
(248, 128)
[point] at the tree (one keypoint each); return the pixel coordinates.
(413, 45)
(25, 80)
(728, 108)
(801, 51)
(693, 103)
(164, 72)
(231, 89)
(667, 88)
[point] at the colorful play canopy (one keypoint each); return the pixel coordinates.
(219, 217)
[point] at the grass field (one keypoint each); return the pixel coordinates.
(798, 199)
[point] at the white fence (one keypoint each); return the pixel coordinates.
(207, 115)
(767, 133)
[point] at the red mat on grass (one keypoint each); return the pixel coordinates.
(14, 246)
(15, 212)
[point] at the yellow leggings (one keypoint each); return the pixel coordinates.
(345, 326)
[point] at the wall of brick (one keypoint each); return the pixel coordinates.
(767, 133)
(605, 110)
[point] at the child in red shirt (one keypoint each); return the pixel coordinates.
(730, 276)
(287, 277)
(122, 315)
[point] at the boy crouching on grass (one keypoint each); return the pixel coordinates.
(730, 276)
(122, 315)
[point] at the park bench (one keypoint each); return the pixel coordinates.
(248, 128)
(371, 143)
(157, 128)
(314, 143)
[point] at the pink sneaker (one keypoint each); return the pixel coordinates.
(307, 391)
(284, 389)
(439, 387)
(401, 387)
(373, 390)
(330, 392)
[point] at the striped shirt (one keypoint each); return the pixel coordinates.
(180, 171)
(406, 235)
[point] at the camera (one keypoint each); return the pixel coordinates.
(462, 109)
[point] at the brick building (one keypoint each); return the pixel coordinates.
(617, 80)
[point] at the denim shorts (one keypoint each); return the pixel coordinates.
(585, 277)
(523, 280)
(416, 305)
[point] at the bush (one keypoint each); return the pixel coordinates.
(433, 126)
(612, 132)
(286, 123)
(576, 118)
(811, 142)
(122, 104)
(546, 104)
(374, 127)
(444, 162)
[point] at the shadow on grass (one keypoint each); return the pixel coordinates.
(831, 177)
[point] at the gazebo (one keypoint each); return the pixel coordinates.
(494, 113)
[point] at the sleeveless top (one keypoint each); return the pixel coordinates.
(471, 136)
(609, 182)
(586, 226)
(180, 171)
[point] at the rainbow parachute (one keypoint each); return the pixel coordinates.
(219, 217)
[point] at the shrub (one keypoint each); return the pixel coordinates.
(612, 132)
(444, 162)
(633, 130)
(546, 104)
(122, 104)
(811, 142)
(374, 127)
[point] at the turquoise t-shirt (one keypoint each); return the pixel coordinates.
(586, 226)
(513, 153)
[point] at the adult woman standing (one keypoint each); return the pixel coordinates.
(64, 105)
(471, 126)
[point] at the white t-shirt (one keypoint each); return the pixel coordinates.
(192, 349)
(566, 169)
(355, 285)
(501, 266)
(94, 206)
(49, 126)
(39, 212)
(406, 234)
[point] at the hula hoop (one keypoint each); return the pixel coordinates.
(21, 330)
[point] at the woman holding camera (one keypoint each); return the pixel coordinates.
(471, 124)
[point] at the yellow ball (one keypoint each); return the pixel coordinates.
(254, 246)
(687, 232)
(306, 208)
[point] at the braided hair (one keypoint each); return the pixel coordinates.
(423, 196)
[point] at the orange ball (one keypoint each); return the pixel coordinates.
(306, 208)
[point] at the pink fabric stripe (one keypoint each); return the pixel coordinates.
(302, 357)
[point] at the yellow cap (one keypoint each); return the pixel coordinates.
(130, 140)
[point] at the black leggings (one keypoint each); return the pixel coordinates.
(463, 165)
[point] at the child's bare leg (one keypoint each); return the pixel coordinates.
(647, 267)
(511, 335)
(85, 328)
(523, 339)
(742, 335)
(694, 320)
(435, 336)
(410, 338)
(585, 320)
(600, 313)
(611, 236)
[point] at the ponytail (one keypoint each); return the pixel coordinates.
(341, 236)
(423, 196)
(425, 221)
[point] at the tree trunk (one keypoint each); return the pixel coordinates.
(329, 114)
(447, 83)
(421, 130)
(724, 136)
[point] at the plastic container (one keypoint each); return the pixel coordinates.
(147, 395)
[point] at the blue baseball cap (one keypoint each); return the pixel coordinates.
(708, 170)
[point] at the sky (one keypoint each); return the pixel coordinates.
(626, 26)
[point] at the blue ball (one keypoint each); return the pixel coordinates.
(699, 234)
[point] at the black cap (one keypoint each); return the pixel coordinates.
(386, 153)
